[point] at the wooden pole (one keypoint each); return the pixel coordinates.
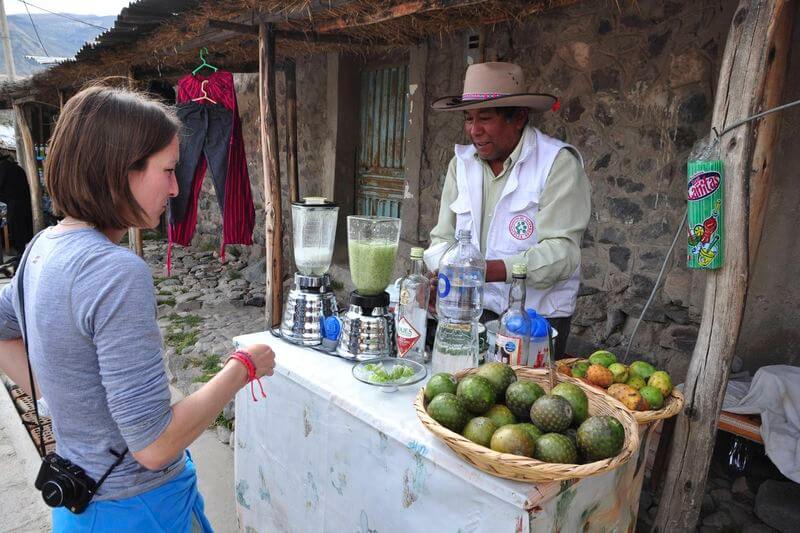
(134, 234)
(291, 129)
(769, 126)
(26, 160)
(744, 79)
(269, 158)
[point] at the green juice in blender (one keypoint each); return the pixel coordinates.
(371, 264)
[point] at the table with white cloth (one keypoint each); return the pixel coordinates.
(325, 452)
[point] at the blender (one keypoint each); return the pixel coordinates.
(368, 325)
(311, 299)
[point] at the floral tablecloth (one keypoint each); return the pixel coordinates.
(325, 452)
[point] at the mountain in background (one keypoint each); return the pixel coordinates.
(61, 37)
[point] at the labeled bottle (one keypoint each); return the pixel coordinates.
(459, 304)
(513, 332)
(411, 314)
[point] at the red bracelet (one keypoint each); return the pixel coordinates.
(247, 360)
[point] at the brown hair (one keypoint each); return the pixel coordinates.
(102, 134)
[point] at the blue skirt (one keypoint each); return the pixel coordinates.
(174, 506)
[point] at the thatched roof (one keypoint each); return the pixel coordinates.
(163, 36)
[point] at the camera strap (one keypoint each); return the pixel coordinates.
(21, 299)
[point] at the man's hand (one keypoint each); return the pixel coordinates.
(434, 279)
(496, 271)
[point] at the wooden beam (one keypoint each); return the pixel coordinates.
(742, 82)
(314, 37)
(26, 158)
(769, 126)
(283, 35)
(233, 26)
(291, 130)
(383, 14)
(269, 158)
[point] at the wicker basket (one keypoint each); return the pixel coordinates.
(672, 404)
(530, 470)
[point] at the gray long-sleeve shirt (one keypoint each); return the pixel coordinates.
(96, 350)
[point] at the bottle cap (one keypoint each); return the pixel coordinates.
(331, 327)
(519, 269)
(539, 324)
(416, 253)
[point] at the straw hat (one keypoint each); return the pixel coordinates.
(495, 84)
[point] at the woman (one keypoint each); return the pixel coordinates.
(90, 317)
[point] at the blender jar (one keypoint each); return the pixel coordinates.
(314, 227)
(372, 249)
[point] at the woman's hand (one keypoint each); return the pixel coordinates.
(263, 358)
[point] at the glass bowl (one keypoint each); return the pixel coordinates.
(389, 373)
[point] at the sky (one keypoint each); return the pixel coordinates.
(80, 7)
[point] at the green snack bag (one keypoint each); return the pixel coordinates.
(705, 218)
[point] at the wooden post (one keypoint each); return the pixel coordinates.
(269, 158)
(26, 159)
(291, 129)
(769, 126)
(745, 80)
(134, 234)
(61, 100)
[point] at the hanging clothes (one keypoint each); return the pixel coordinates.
(212, 135)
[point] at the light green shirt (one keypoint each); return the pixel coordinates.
(564, 211)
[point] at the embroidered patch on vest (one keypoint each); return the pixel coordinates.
(521, 227)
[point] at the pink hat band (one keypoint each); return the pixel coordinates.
(481, 96)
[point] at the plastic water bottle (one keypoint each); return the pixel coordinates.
(513, 333)
(540, 344)
(459, 304)
(462, 271)
(411, 313)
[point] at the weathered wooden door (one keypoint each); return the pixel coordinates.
(380, 180)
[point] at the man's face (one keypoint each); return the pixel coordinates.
(494, 136)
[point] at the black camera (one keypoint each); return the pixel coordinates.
(64, 484)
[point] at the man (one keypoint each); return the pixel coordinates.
(14, 192)
(524, 195)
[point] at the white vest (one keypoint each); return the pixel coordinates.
(512, 229)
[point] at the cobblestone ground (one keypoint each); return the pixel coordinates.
(202, 306)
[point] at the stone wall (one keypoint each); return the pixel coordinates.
(637, 92)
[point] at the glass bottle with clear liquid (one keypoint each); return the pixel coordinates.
(513, 333)
(411, 313)
(459, 304)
